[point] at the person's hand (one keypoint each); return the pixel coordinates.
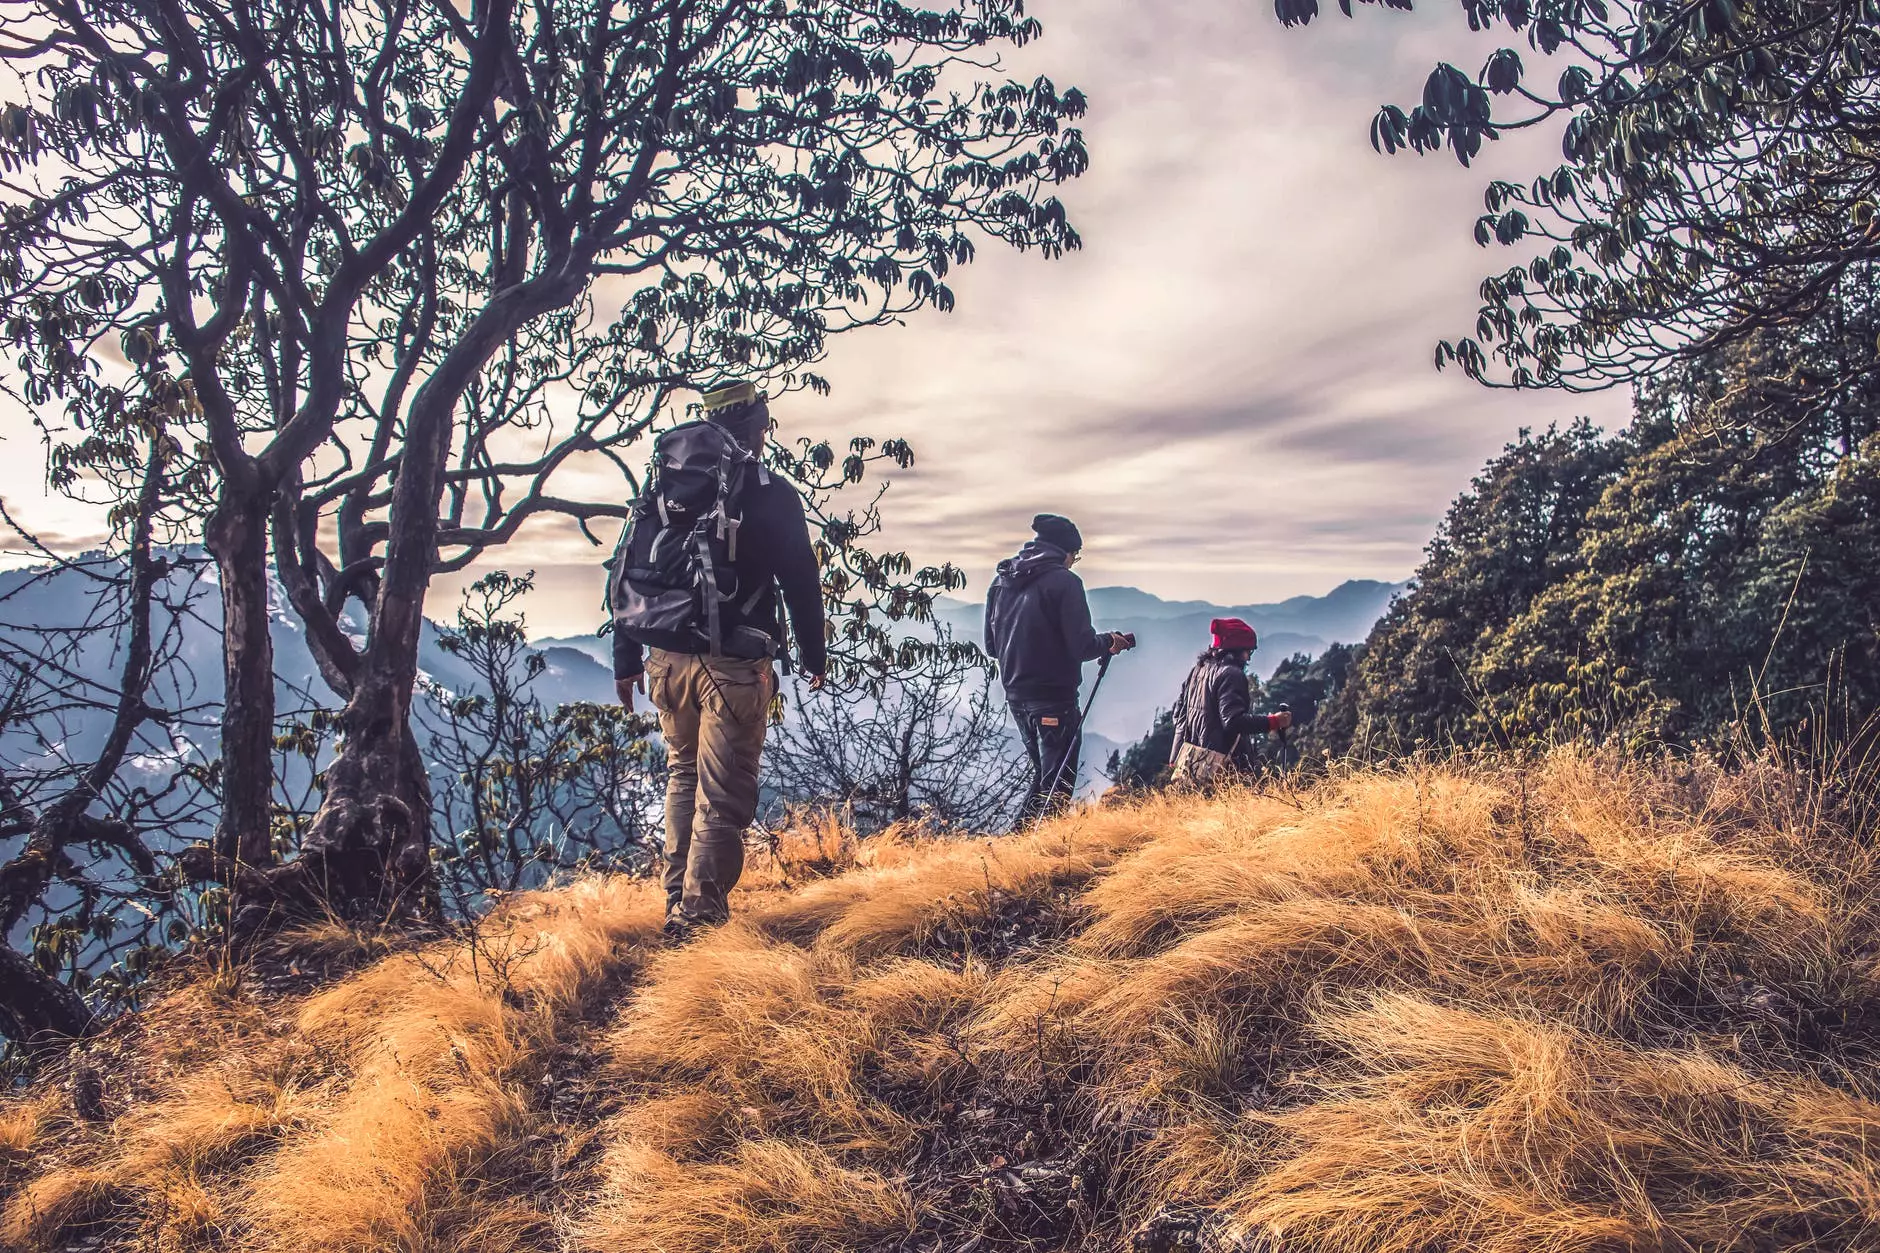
(816, 682)
(624, 689)
(1121, 642)
(1279, 721)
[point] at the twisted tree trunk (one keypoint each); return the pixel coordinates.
(237, 536)
(370, 844)
(35, 1008)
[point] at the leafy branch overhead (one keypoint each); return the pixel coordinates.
(1718, 176)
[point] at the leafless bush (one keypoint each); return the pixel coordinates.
(934, 747)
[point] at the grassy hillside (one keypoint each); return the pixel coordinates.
(1578, 1007)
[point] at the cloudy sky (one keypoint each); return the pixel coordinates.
(1230, 389)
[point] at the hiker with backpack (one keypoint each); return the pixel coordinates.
(693, 590)
(1038, 628)
(1215, 724)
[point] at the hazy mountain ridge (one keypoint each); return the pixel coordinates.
(1168, 632)
(579, 668)
(43, 599)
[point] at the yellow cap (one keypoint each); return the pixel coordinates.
(729, 395)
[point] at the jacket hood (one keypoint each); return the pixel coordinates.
(1034, 559)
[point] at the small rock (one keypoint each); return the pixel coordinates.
(88, 1094)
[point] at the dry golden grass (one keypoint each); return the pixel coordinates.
(19, 1129)
(402, 1108)
(1449, 1128)
(1576, 1007)
(331, 941)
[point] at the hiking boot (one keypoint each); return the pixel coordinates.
(681, 927)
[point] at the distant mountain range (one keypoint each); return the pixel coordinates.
(38, 600)
(1168, 633)
(579, 668)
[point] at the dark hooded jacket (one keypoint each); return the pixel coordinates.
(1038, 626)
(1215, 710)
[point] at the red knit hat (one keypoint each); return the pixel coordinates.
(1233, 633)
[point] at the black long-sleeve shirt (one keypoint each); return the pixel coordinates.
(774, 551)
(1038, 626)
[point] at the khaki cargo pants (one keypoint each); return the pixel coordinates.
(713, 712)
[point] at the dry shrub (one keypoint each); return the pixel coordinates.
(812, 843)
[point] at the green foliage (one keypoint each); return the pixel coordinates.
(1313, 688)
(1514, 533)
(1717, 175)
(1145, 763)
(1712, 568)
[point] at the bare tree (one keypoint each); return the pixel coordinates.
(85, 874)
(933, 746)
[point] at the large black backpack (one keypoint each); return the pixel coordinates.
(676, 564)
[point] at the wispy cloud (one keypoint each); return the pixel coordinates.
(1231, 389)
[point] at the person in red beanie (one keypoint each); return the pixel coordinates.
(1214, 720)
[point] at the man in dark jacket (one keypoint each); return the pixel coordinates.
(1215, 712)
(1038, 629)
(714, 709)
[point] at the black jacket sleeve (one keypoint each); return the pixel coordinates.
(1252, 724)
(1233, 707)
(1081, 640)
(800, 579)
(629, 659)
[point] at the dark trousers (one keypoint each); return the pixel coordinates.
(1053, 732)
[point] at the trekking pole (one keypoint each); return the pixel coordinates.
(1103, 668)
